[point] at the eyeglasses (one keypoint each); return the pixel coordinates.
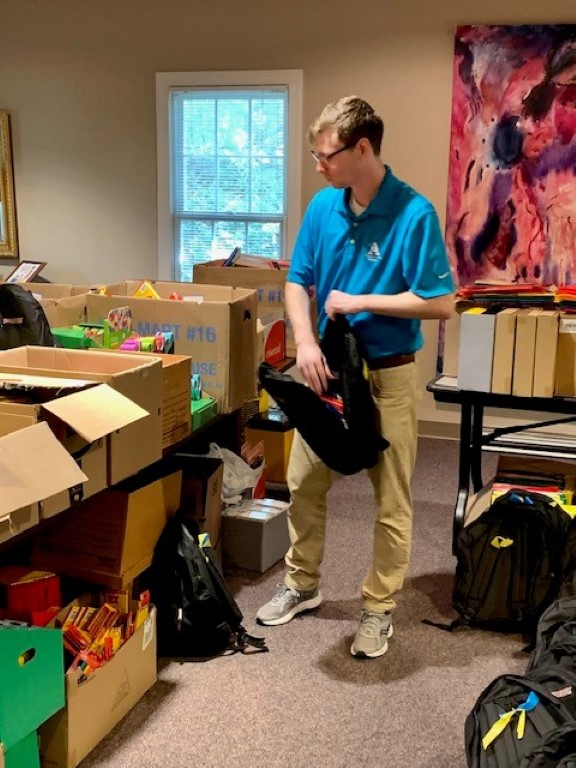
(323, 159)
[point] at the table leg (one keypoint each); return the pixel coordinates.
(463, 471)
(476, 446)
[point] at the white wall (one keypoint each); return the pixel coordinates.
(78, 78)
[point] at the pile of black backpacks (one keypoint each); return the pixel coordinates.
(516, 570)
(529, 721)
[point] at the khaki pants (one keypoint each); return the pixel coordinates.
(309, 480)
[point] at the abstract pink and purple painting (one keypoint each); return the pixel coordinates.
(511, 210)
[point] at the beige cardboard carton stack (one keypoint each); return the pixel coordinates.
(509, 351)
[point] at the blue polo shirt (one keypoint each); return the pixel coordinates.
(395, 245)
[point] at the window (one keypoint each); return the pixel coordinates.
(229, 160)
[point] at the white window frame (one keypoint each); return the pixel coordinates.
(165, 82)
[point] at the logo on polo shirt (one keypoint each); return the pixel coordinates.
(373, 252)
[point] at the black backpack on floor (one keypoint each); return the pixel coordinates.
(557, 750)
(22, 319)
(512, 719)
(196, 614)
(510, 561)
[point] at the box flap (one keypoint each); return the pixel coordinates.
(34, 466)
(96, 412)
(30, 382)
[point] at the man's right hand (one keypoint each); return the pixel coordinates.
(312, 364)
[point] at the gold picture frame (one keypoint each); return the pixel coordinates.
(8, 227)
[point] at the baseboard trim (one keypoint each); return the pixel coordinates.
(440, 429)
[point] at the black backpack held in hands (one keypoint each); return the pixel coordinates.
(196, 614)
(346, 442)
(510, 561)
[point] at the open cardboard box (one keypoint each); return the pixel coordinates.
(80, 420)
(139, 443)
(95, 706)
(215, 325)
(176, 394)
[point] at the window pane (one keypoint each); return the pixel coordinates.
(195, 244)
(199, 187)
(199, 127)
(268, 127)
(267, 194)
(233, 185)
(229, 235)
(265, 240)
(233, 127)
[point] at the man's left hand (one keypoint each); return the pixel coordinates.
(340, 303)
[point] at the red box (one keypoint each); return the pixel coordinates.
(28, 591)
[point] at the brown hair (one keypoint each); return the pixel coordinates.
(353, 119)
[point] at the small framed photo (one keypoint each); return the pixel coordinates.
(25, 272)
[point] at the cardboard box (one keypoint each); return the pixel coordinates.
(33, 466)
(565, 380)
(277, 438)
(176, 398)
(476, 349)
(524, 352)
(176, 394)
(267, 283)
(214, 325)
(110, 538)
(81, 421)
(138, 443)
(255, 534)
(202, 494)
(18, 520)
(24, 754)
(96, 706)
(32, 674)
(545, 353)
(504, 341)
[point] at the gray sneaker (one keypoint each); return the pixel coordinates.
(372, 637)
(285, 604)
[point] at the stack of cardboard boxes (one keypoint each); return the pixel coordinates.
(522, 352)
(83, 452)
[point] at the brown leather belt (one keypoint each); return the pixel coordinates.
(391, 361)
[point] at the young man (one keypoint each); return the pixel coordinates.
(372, 248)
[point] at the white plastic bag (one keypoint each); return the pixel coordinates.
(238, 476)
